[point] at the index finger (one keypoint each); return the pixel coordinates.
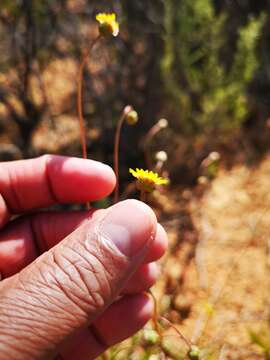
(51, 179)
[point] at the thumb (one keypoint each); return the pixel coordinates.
(66, 288)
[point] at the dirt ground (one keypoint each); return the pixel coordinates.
(215, 278)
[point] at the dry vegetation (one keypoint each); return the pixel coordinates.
(214, 283)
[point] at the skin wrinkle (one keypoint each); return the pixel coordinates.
(77, 280)
(58, 296)
(56, 306)
(35, 323)
(34, 307)
(33, 332)
(74, 296)
(11, 345)
(35, 295)
(38, 321)
(64, 290)
(15, 329)
(95, 303)
(107, 245)
(102, 280)
(97, 299)
(65, 301)
(31, 310)
(107, 276)
(110, 254)
(99, 258)
(33, 329)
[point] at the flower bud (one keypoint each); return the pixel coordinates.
(132, 117)
(214, 156)
(161, 156)
(202, 180)
(194, 353)
(163, 123)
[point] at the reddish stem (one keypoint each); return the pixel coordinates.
(79, 101)
(186, 340)
(155, 316)
(116, 156)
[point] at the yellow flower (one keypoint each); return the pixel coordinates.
(107, 24)
(147, 180)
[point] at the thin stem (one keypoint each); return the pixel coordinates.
(186, 340)
(146, 141)
(116, 151)
(79, 105)
(79, 96)
(143, 196)
(155, 315)
(79, 101)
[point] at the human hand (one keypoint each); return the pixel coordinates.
(86, 291)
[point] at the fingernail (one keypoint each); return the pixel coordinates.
(130, 225)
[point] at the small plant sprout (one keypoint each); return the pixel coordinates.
(130, 116)
(147, 181)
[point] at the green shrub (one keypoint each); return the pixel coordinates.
(202, 90)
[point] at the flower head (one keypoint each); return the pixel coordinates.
(147, 180)
(108, 24)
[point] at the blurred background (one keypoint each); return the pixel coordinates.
(203, 67)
